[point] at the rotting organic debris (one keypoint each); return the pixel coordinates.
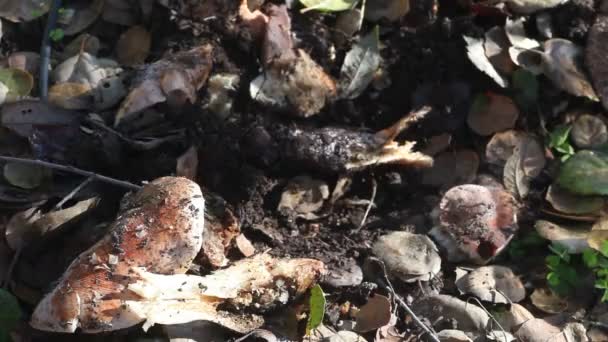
(135, 273)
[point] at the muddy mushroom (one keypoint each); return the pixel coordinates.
(475, 223)
(160, 228)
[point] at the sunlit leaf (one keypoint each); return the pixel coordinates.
(317, 308)
(328, 5)
(360, 65)
(585, 173)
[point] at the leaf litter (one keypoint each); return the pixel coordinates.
(319, 158)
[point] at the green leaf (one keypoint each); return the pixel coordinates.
(604, 248)
(590, 257)
(328, 5)
(585, 173)
(559, 136)
(553, 261)
(560, 251)
(317, 308)
(56, 34)
(605, 296)
(19, 82)
(10, 311)
(553, 279)
(526, 88)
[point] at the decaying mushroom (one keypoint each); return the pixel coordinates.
(159, 228)
(135, 273)
(341, 150)
(475, 223)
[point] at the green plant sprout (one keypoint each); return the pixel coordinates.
(562, 276)
(558, 140)
(597, 262)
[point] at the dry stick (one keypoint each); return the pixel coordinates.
(404, 305)
(74, 192)
(45, 49)
(370, 204)
(71, 169)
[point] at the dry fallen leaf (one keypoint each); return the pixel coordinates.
(500, 148)
(23, 10)
(391, 10)
(85, 68)
(452, 168)
(78, 16)
(175, 78)
(589, 132)
(375, 314)
(572, 238)
(495, 284)
(496, 46)
(526, 163)
(187, 164)
(71, 95)
(548, 301)
(595, 53)
(599, 234)
(569, 203)
(477, 55)
(517, 35)
(408, 257)
(491, 113)
(469, 317)
(25, 176)
(133, 46)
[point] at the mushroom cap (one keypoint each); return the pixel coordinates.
(159, 228)
(475, 222)
(496, 284)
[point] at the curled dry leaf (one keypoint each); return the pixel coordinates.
(595, 56)
(187, 164)
(540, 330)
(491, 113)
(375, 314)
(85, 68)
(475, 222)
(572, 238)
(71, 95)
(500, 148)
(77, 16)
(477, 55)
(589, 131)
(260, 282)
(526, 163)
(29, 227)
(221, 90)
(133, 46)
(304, 197)
(562, 64)
(548, 301)
(174, 79)
(92, 292)
(568, 203)
(360, 65)
(496, 46)
(409, 257)
(221, 228)
(512, 318)
(452, 168)
(495, 284)
(469, 317)
(517, 34)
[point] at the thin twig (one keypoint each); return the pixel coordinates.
(74, 192)
(72, 169)
(45, 49)
(369, 205)
(404, 305)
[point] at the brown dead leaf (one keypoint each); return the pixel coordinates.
(492, 113)
(175, 78)
(496, 284)
(187, 164)
(548, 301)
(375, 314)
(452, 168)
(24, 117)
(133, 46)
(70, 95)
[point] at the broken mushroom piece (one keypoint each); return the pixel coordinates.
(350, 150)
(258, 284)
(160, 228)
(474, 222)
(495, 284)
